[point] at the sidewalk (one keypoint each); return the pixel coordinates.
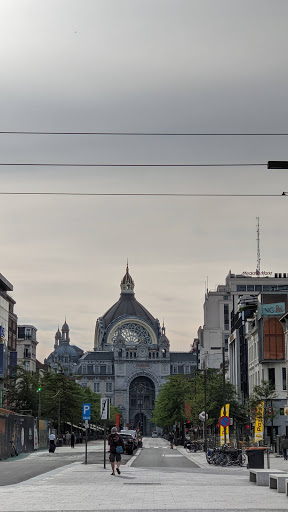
(80, 487)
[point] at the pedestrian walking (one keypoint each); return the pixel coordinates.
(72, 439)
(284, 446)
(68, 438)
(171, 439)
(52, 445)
(116, 444)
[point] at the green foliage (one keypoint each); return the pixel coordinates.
(21, 394)
(264, 392)
(59, 397)
(180, 390)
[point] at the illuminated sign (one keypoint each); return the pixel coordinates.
(2, 332)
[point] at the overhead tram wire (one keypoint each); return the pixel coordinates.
(54, 164)
(148, 134)
(140, 194)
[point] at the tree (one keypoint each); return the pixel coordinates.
(264, 392)
(183, 398)
(21, 394)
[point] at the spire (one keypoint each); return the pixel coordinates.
(163, 328)
(127, 283)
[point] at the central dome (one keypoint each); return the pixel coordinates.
(126, 307)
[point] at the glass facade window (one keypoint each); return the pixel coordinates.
(274, 343)
(266, 288)
(258, 287)
(241, 288)
(250, 287)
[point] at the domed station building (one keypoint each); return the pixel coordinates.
(131, 359)
(65, 357)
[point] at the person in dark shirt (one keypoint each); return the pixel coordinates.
(115, 441)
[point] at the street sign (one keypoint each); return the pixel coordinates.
(105, 408)
(86, 412)
(202, 416)
(225, 421)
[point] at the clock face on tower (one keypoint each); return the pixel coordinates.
(132, 333)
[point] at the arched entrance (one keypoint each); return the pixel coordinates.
(141, 404)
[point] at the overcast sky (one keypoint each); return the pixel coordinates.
(200, 66)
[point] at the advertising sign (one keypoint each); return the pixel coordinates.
(259, 430)
(278, 308)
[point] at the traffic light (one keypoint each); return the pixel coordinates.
(38, 390)
(247, 428)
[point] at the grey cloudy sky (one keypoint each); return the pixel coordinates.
(147, 66)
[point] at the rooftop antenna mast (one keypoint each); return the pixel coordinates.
(258, 247)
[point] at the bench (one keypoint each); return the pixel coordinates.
(261, 476)
(278, 481)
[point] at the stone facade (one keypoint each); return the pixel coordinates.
(131, 359)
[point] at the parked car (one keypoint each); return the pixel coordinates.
(154, 433)
(128, 442)
(133, 433)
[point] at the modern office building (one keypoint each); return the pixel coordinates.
(221, 306)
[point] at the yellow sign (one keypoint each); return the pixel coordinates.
(222, 434)
(259, 427)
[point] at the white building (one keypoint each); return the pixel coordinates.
(221, 305)
(26, 347)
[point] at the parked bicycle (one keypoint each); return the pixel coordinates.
(225, 456)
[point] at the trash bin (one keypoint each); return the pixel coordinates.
(255, 457)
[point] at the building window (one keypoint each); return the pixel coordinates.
(102, 369)
(284, 384)
(271, 376)
(250, 287)
(90, 369)
(174, 369)
(186, 369)
(27, 366)
(133, 403)
(96, 387)
(258, 287)
(66, 359)
(226, 343)
(226, 317)
(84, 369)
(241, 288)
(266, 287)
(225, 297)
(109, 369)
(84, 384)
(108, 387)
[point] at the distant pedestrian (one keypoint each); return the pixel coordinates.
(171, 438)
(117, 446)
(72, 439)
(52, 445)
(284, 446)
(68, 438)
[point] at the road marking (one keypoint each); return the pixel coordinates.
(172, 455)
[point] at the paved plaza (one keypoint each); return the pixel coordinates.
(80, 487)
